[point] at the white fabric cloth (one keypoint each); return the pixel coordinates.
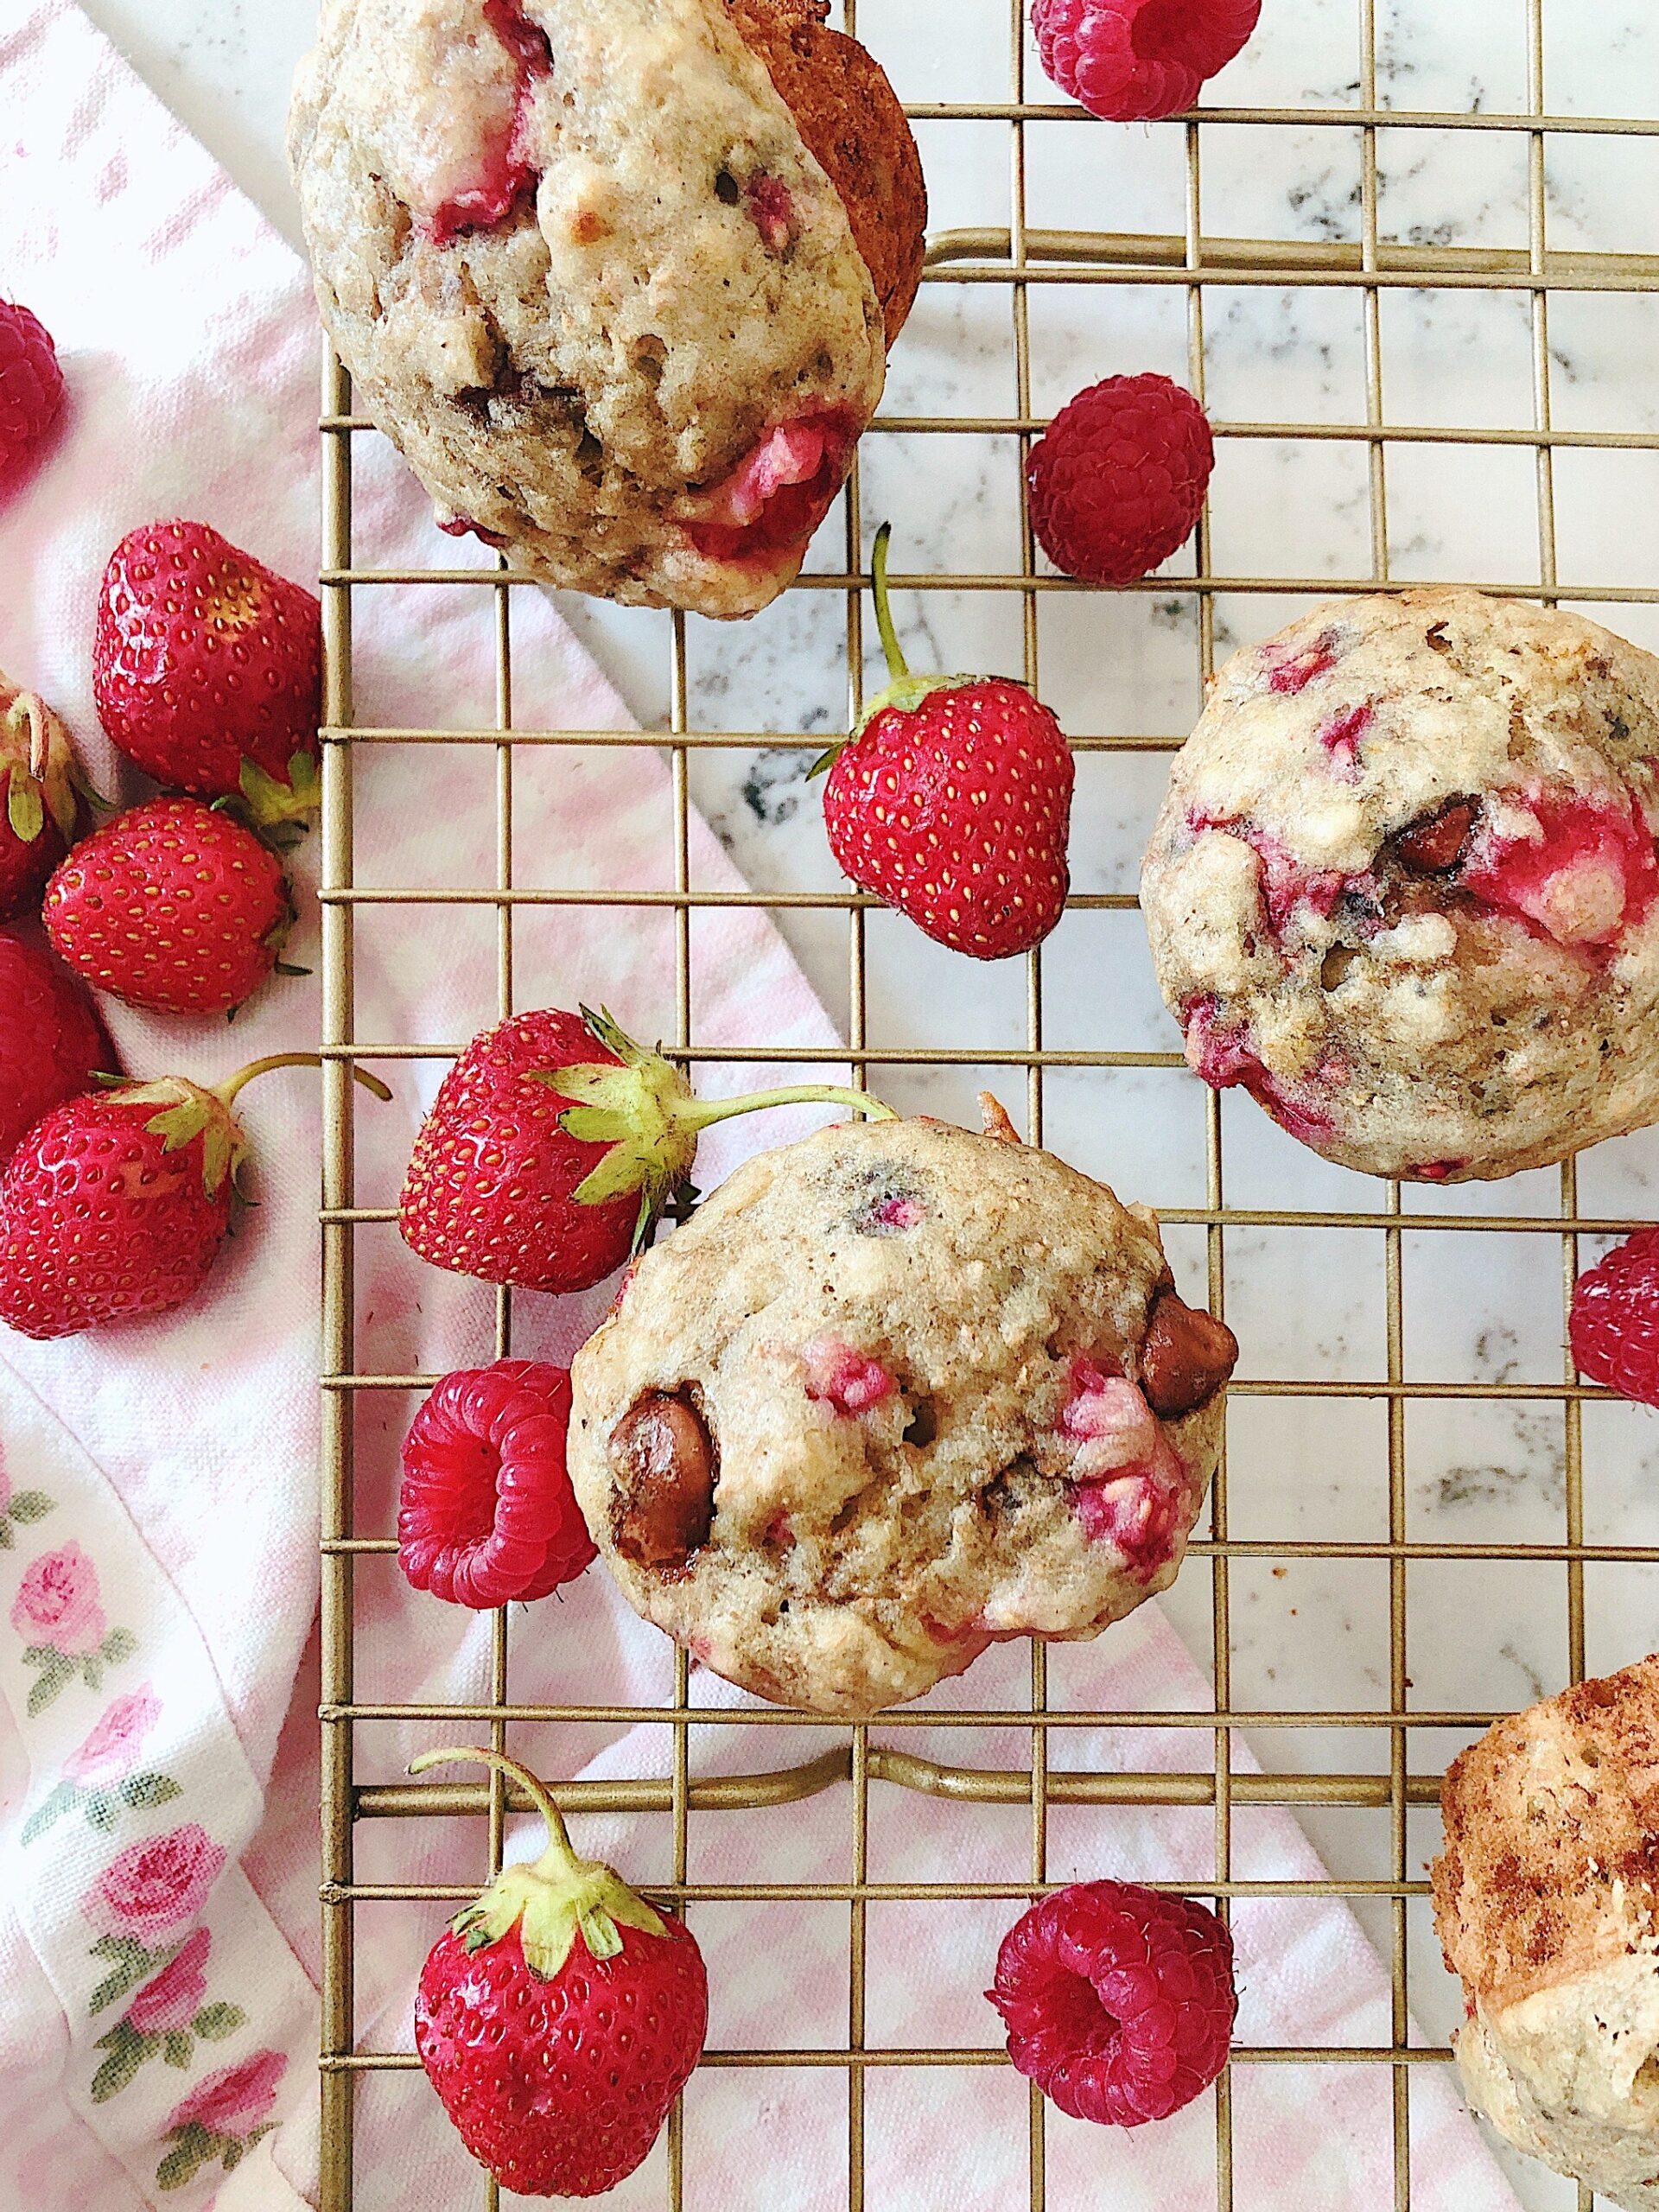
(158, 1681)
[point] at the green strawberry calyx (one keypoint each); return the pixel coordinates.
(35, 746)
(282, 809)
(554, 1900)
(904, 692)
(189, 1110)
(650, 1117)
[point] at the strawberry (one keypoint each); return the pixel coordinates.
(554, 1145)
(52, 1043)
(952, 800)
(207, 670)
(114, 1207)
(173, 906)
(559, 2016)
(38, 778)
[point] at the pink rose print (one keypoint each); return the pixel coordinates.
(167, 2018)
(57, 1613)
(172, 2000)
(234, 2100)
(114, 1743)
(222, 2118)
(98, 1780)
(155, 1886)
(57, 1604)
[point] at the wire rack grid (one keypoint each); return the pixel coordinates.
(1014, 261)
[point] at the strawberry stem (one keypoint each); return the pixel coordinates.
(560, 1849)
(26, 713)
(226, 1092)
(704, 1112)
(898, 666)
(558, 1898)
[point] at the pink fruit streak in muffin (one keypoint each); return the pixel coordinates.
(1287, 883)
(505, 176)
(1290, 673)
(775, 498)
(839, 1376)
(772, 210)
(1220, 1052)
(1340, 737)
(1129, 1483)
(1589, 875)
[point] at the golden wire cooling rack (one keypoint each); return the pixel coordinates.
(1013, 262)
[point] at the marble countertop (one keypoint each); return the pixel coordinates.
(1307, 1304)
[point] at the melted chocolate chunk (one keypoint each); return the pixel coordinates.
(1187, 1357)
(1434, 845)
(664, 1464)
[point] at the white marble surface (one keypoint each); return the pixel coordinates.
(1307, 1305)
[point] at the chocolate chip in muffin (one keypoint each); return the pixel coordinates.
(1187, 1357)
(666, 1465)
(1434, 845)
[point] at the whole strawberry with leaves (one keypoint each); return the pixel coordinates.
(114, 1207)
(173, 906)
(207, 671)
(554, 1145)
(560, 2015)
(39, 797)
(952, 800)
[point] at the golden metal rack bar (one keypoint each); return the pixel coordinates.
(1197, 259)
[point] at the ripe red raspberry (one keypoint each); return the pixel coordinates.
(1616, 1320)
(1118, 483)
(31, 390)
(1119, 2003)
(1133, 60)
(488, 1513)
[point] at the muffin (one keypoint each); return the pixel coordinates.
(619, 277)
(1545, 1903)
(1404, 890)
(895, 1394)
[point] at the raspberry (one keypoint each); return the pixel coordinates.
(488, 1513)
(1133, 60)
(1130, 1487)
(1119, 2003)
(1616, 1320)
(31, 390)
(1118, 484)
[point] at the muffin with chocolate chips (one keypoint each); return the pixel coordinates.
(618, 276)
(895, 1394)
(1404, 888)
